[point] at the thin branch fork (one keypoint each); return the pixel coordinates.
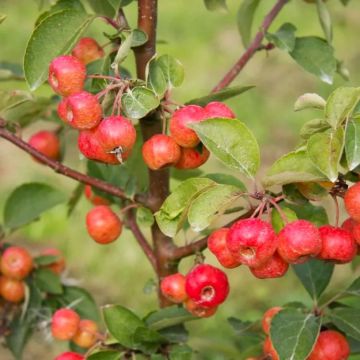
(254, 46)
(62, 169)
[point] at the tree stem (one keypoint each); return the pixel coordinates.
(252, 49)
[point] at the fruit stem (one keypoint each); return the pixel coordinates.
(252, 49)
(337, 210)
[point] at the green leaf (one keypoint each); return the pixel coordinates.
(315, 275)
(325, 19)
(19, 333)
(213, 5)
(315, 214)
(347, 320)
(27, 202)
(316, 56)
(210, 204)
(231, 142)
(293, 334)
(120, 3)
(10, 71)
(312, 127)
(144, 216)
(292, 167)
(44, 260)
(11, 99)
(105, 355)
(352, 143)
(138, 102)
(55, 35)
(81, 301)
(341, 104)
(47, 281)
(173, 211)
(277, 221)
(354, 288)
(103, 7)
(325, 150)
(2, 18)
(168, 317)
(227, 179)
(139, 38)
(181, 352)
(172, 69)
(148, 340)
(284, 38)
(309, 101)
(221, 95)
(245, 17)
(123, 51)
(156, 80)
(75, 198)
(121, 323)
(175, 334)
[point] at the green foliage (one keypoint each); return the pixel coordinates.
(325, 20)
(284, 37)
(245, 17)
(231, 142)
(213, 5)
(315, 275)
(352, 143)
(316, 56)
(347, 320)
(55, 35)
(47, 281)
(308, 101)
(293, 333)
(27, 202)
(220, 95)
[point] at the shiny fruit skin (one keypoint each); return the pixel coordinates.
(216, 109)
(91, 148)
(81, 110)
(268, 349)
(64, 324)
(87, 50)
(179, 122)
(103, 225)
(298, 240)
(173, 288)
(47, 143)
(353, 227)
(252, 241)
(207, 285)
(192, 158)
(86, 336)
(69, 355)
(12, 290)
(67, 75)
(267, 318)
(330, 345)
(352, 201)
(93, 198)
(337, 244)
(58, 266)
(160, 151)
(193, 308)
(275, 267)
(117, 132)
(217, 245)
(16, 263)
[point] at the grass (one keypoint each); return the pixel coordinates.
(207, 44)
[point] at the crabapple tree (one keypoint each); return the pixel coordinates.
(132, 135)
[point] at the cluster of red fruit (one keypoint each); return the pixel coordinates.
(181, 149)
(16, 265)
(201, 290)
(254, 243)
(330, 344)
(47, 142)
(66, 325)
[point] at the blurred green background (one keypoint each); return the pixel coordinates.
(207, 43)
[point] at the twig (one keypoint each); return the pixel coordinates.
(139, 236)
(199, 245)
(254, 46)
(64, 170)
